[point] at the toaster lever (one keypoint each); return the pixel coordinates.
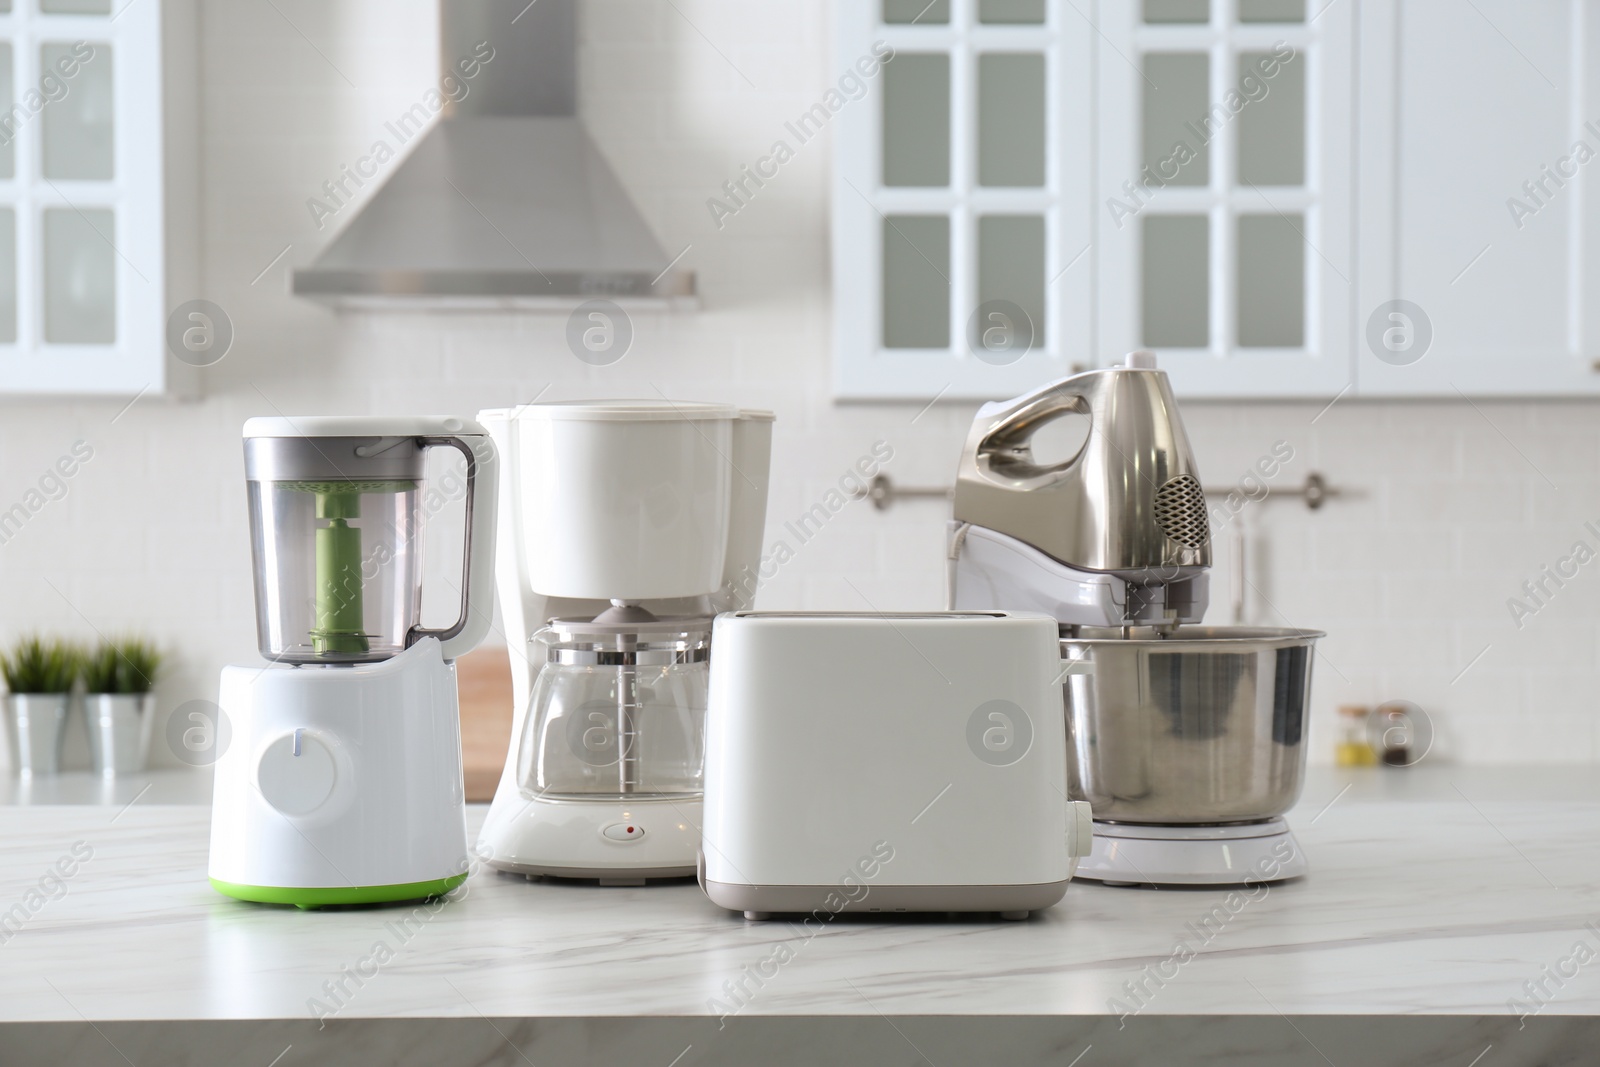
(1083, 663)
(1080, 828)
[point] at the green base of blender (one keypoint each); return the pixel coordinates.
(328, 896)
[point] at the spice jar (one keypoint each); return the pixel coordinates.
(1397, 731)
(1355, 746)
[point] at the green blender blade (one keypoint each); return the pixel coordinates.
(339, 609)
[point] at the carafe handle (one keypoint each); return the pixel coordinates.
(477, 557)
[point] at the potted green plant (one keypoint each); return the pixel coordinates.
(39, 675)
(118, 705)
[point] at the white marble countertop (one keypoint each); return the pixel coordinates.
(170, 785)
(1433, 892)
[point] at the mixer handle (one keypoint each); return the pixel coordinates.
(1006, 449)
(477, 582)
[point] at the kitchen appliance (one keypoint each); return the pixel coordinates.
(339, 776)
(888, 763)
(1191, 747)
(628, 525)
(1188, 741)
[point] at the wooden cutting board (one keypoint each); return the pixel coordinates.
(483, 679)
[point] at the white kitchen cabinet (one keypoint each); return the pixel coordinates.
(1402, 208)
(98, 193)
(1466, 110)
(1223, 234)
(962, 197)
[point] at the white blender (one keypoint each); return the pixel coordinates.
(627, 526)
(1188, 740)
(341, 783)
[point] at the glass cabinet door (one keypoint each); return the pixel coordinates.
(82, 213)
(1225, 239)
(954, 189)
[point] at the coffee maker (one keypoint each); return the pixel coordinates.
(627, 526)
(338, 779)
(1188, 741)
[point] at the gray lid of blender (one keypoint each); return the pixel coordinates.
(353, 459)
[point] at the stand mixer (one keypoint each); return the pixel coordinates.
(1188, 740)
(627, 526)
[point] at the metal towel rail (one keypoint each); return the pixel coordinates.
(1315, 491)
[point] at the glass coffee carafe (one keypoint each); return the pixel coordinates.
(336, 529)
(617, 712)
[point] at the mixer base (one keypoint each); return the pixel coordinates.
(1256, 854)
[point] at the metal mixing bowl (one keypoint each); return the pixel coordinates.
(1204, 726)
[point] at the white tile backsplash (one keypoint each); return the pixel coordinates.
(1450, 507)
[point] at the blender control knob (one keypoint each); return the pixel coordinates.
(624, 831)
(296, 773)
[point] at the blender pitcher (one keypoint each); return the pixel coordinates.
(336, 530)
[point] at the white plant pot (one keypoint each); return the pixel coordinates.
(35, 726)
(119, 731)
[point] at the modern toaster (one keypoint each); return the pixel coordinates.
(888, 763)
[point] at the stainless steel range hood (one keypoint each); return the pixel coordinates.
(506, 200)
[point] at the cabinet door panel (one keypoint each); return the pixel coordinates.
(1473, 201)
(962, 200)
(1224, 236)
